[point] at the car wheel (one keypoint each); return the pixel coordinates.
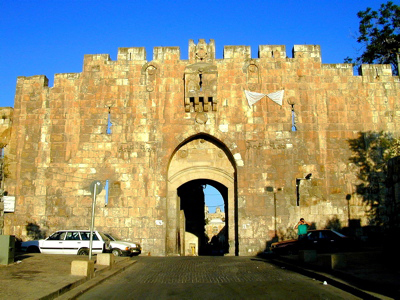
(83, 251)
(116, 252)
(33, 249)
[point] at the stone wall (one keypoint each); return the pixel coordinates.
(6, 114)
(149, 127)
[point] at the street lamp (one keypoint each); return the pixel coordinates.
(298, 180)
(272, 189)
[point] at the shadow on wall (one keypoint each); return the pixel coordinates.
(376, 161)
(34, 232)
(372, 153)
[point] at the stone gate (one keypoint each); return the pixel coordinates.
(155, 132)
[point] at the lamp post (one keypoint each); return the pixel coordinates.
(298, 180)
(291, 102)
(95, 189)
(274, 190)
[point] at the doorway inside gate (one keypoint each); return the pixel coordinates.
(205, 229)
(200, 161)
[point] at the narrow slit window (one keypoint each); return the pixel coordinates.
(109, 124)
(201, 82)
(293, 121)
(106, 188)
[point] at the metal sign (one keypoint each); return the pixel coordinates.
(9, 203)
(96, 184)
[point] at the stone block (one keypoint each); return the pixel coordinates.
(82, 268)
(105, 259)
(338, 261)
(333, 261)
(308, 256)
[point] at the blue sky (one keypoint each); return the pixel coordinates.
(39, 37)
(213, 199)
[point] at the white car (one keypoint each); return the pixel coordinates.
(74, 242)
(119, 248)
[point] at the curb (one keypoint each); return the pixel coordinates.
(330, 278)
(72, 291)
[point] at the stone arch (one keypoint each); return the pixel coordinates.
(200, 157)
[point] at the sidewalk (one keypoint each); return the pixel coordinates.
(46, 276)
(367, 274)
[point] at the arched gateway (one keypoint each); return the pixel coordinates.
(199, 160)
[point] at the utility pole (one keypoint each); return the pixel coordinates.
(95, 189)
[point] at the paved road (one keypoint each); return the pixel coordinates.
(211, 278)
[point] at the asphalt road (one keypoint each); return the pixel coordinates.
(211, 278)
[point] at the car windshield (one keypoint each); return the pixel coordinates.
(104, 237)
(110, 236)
(339, 234)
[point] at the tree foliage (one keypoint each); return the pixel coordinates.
(379, 33)
(371, 154)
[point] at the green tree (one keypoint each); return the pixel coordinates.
(379, 34)
(371, 154)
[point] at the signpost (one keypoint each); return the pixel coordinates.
(95, 189)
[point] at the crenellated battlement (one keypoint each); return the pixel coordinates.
(205, 52)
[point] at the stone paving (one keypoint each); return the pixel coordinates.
(40, 276)
(189, 270)
(211, 278)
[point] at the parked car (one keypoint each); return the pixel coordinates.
(74, 242)
(30, 246)
(324, 240)
(119, 248)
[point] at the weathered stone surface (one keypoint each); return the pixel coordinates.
(149, 127)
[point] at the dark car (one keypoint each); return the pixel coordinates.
(324, 240)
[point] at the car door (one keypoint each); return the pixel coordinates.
(312, 240)
(325, 243)
(54, 244)
(332, 242)
(97, 246)
(72, 242)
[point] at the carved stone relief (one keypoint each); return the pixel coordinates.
(253, 152)
(201, 87)
(149, 72)
(253, 78)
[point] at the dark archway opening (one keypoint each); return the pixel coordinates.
(192, 203)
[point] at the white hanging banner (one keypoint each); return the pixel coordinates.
(277, 97)
(253, 97)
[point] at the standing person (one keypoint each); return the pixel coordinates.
(302, 227)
